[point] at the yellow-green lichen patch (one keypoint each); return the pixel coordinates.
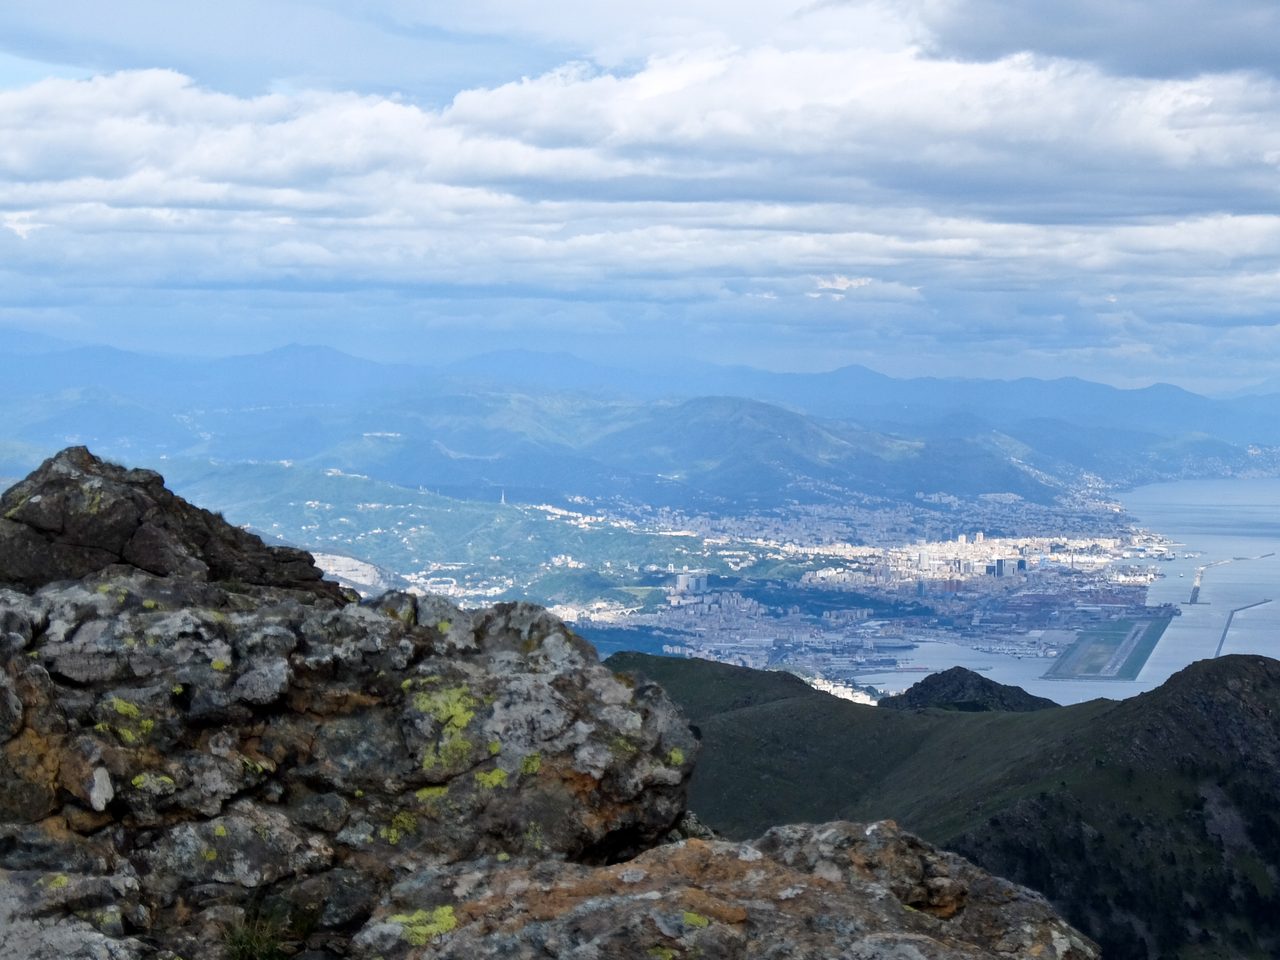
(531, 764)
(220, 665)
(662, 953)
(503, 857)
(443, 626)
(209, 854)
(406, 684)
(56, 881)
(127, 736)
(454, 751)
(104, 588)
(125, 708)
(219, 831)
(150, 605)
(453, 707)
(422, 926)
(675, 758)
(434, 800)
(177, 689)
(253, 766)
(491, 779)
(692, 919)
(146, 726)
(156, 783)
(495, 747)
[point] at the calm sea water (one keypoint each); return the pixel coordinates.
(1223, 519)
(1220, 520)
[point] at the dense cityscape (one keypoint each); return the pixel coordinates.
(836, 594)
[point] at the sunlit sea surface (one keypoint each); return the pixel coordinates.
(1216, 519)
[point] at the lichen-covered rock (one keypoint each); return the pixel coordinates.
(798, 893)
(77, 515)
(218, 747)
(39, 920)
(191, 760)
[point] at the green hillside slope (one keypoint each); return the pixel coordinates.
(1153, 822)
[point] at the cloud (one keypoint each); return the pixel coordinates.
(21, 223)
(1172, 38)
(703, 191)
(842, 283)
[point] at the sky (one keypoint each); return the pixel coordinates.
(946, 187)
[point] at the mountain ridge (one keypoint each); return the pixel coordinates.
(321, 405)
(1150, 822)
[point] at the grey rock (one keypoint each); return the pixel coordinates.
(800, 893)
(78, 515)
(10, 710)
(263, 684)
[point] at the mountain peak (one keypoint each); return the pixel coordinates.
(78, 514)
(964, 690)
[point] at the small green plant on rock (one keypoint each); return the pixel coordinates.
(260, 936)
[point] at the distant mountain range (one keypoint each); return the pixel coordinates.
(1153, 823)
(549, 426)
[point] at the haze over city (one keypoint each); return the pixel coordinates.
(940, 187)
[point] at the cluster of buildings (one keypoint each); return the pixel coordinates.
(1025, 596)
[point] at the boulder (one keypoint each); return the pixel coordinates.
(196, 750)
(798, 893)
(77, 515)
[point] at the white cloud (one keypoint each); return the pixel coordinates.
(774, 162)
(20, 222)
(841, 282)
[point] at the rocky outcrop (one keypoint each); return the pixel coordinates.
(204, 766)
(961, 689)
(77, 515)
(173, 750)
(798, 893)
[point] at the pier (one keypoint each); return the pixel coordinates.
(1231, 616)
(1199, 580)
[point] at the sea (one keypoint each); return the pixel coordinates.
(1231, 528)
